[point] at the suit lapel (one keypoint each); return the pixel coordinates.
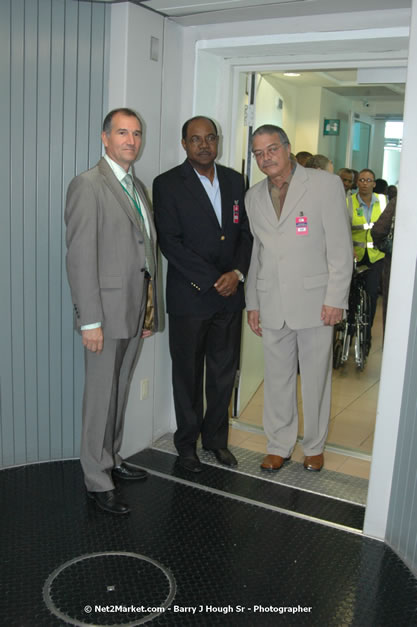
(194, 186)
(266, 204)
(296, 191)
(117, 190)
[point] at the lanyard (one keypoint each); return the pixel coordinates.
(135, 202)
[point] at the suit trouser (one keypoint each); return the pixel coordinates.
(283, 350)
(107, 380)
(215, 342)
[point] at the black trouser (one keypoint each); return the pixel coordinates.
(372, 282)
(193, 342)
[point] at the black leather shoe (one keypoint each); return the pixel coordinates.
(127, 471)
(108, 502)
(190, 463)
(224, 456)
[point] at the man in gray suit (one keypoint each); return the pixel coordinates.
(111, 266)
(297, 290)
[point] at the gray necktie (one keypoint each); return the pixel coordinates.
(134, 201)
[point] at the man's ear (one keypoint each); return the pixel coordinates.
(183, 143)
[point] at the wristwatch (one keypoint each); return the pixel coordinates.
(239, 275)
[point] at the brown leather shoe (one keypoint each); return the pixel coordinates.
(273, 462)
(314, 462)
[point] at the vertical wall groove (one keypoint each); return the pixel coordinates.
(54, 80)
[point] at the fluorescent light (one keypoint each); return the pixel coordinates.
(291, 74)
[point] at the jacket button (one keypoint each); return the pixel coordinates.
(223, 237)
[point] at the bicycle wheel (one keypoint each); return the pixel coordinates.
(337, 354)
(361, 345)
(366, 320)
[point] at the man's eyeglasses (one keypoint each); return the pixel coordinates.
(366, 181)
(270, 151)
(197, 140)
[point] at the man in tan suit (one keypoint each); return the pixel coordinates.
(297, 290)
(111, 266)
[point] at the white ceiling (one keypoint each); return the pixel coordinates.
(197, 12)
(342, 82)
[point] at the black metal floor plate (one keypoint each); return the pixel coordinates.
(184, 556)
(258, 490)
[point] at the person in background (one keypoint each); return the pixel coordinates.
(302, 157)
(320, 162)
(346, 174)
(364, 208)
(355, 180)
(380, 186)
(391, 192)
(382, 234)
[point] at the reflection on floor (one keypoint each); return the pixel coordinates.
(352, 423)
(221, 549)
(326, 483)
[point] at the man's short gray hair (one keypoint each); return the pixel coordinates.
(271, 129)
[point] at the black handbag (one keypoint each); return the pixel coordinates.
(385, 245)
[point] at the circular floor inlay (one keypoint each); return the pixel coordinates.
(111, 588)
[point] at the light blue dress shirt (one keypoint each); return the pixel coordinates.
(213, 192)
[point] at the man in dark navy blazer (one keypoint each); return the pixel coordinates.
(204, 234)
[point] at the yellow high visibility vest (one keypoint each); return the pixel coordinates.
(361, 229)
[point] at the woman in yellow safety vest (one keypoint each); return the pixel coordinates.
(365, 207)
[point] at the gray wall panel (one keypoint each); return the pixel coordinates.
(18, 453)
(54, 77)
(6, 380)
(32, 255)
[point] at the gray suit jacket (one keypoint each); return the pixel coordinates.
(106, 252)
(293, 273)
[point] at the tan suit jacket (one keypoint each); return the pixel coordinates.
(293, 273)
(106, 252)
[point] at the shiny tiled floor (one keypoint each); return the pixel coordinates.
(352, 422)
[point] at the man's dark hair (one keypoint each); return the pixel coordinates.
(346, 171)
(270, 129)
(107, 123)
(366, 170)
(380, 186)
(197, 117)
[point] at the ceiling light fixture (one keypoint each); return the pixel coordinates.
(291, 74)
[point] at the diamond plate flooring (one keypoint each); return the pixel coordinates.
(326, 482)
(183, 556)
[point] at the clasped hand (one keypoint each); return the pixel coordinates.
(227, 284)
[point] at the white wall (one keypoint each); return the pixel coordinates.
(136, 81)
(398, 315)
(376, 153)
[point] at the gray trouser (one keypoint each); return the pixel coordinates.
(107, 380)
(283, 349)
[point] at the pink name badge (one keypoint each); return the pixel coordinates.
(236, 212)
(301, 226)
